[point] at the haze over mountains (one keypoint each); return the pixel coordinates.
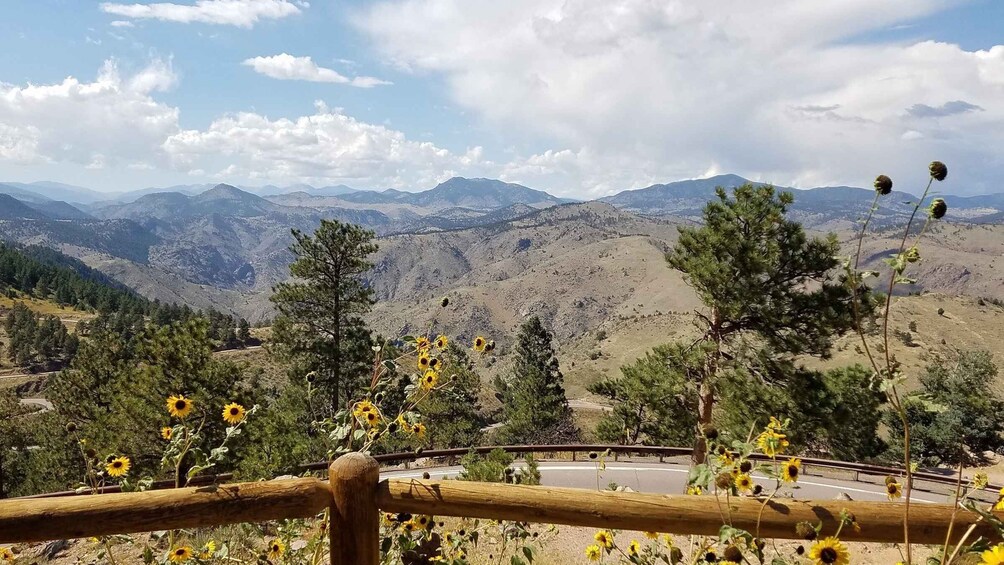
(501, 249)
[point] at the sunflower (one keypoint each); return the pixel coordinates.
(694, 490)
(372, 419)
(118, 467)
(442, 341)
(179, 406)
(593, 552)
(180, 554)
(634, 547)
(429, 379)
(419, 430)
(409, 526)
(208, 550)
(999, 505)
(479, 344)
(434, 363)
(791, 470)
(6, 554)
(652, 535)
(993, 556)
(893, 490)
(166, 432)
(233, 413)
(276, 549)
(829, 551)
(744, 483)
(604, 538)
(422, 343)
(423, 361)
(771, 442)
(362, 408)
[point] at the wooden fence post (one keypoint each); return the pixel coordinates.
(355, 519)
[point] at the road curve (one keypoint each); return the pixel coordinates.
(671, 478)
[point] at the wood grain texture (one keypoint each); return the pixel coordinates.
(30, 520)
(355, 518)
(676, 514)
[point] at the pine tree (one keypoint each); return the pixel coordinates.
(244, 332)
(453, 416)
(534, 406)
(320, 327)
(762, 280)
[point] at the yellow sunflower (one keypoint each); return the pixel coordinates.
(165, 433)
(276, 549)
(429, 379)
(744, 483)
(694, 490)
(442, 342)
(424, 361)
(434, 363)
(233, 413)
(652, 535)
(6, 554)
(480, 343)
(829, 551)
(993, 556)
(118, 467)
(362, 408)
(179, 406)
(770, 442)
(893, 490)
(421, 343)
(208, 550)
(604, 538)
(791, 470)
(634, 547)
(372, 419)
(593, 552)
(180, 554)
(999, 505)
(419, 430)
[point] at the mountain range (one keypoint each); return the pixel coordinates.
(224, 246)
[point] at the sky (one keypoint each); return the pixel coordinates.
(582, 98)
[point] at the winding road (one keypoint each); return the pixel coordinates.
(671, 478)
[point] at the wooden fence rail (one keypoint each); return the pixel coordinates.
(354, 493)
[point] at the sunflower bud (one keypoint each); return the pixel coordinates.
(912, 255)
(71, 427)
(938, 208)
(757, 490)
(806, 531)
(883, 185)
(444, 302)
(723, 480)
(675, 555)
(938, 170)
(311, 376)
(426, 475)
(91, 453)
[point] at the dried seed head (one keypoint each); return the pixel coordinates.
(806, 531)
(883, 185)
(938, 170)
(746, 466)
(723, 480)
(938, 208)
(710, 432)
(732, 553)
(444, 302)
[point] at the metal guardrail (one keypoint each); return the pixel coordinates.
(644, 450)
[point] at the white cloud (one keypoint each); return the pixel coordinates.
(112, 120)
(240, 13)
(287, 67)
(122, 23)
(327, 146)
(641, 91)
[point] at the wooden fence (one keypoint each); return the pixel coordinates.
(355, 496)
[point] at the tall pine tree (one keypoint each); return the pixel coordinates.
(534, 406)
(320, 327)
(770, 292)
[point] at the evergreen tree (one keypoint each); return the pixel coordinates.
(453, 416)
(244, 332)
(534, 406)
(320, 327)
(654, 399)
(15, 428)
(956, 419)
(763, 281)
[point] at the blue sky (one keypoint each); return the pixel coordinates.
(578, 97)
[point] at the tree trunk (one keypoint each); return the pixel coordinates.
(705, 404)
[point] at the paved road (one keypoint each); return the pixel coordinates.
(670, 478)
